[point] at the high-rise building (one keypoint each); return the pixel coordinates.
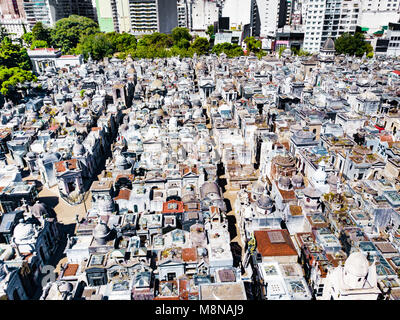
(237, 11)
(49, 11)
(148, 16)
(121, 15)
(12, 18)
(183, 13)
(105, 16)
(12, 7)
(255, 21)
(325, 19)
(39, 11)
(203, 14)
(272, 14)
(374, 14)
(313, 24)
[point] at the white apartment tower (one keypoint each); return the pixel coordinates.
(378, 13)
(203, 14)
(325, 19)
(121, 15)
(313, 20)
(183, 14)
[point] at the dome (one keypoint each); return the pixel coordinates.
(65, 287)
(357, 264)
(156, 84)
(68, 107)
(101, 231)
(329, 45)
(31, 155)
(78, 149)
(297, 179)
(39, 209)
(284, 181)
(105, 205)
(258, 187)
(120, 161)
(264, 202)
(23, 231)
(66, 89)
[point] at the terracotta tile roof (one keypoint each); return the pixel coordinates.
(71, 270)
(189, 254)
(281, 246)
(61, 166)
(128, 176)
(287, 195)
(295, 210)
(124, 194)
(167, 207)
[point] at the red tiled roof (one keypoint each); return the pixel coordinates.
(189, 254)
(46, 49)
(396, 72)
(71, 270)
(128, 176)
(268, 249)
(178, 209)
(61, 165)
(123, 194)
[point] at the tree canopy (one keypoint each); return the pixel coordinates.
(201, 46)
(231, 50)
(352, 44)
(68, 32)
(13, 55)
(97, 45)
(41, 33)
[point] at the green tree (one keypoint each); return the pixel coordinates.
(97, 45)
(68, 31)
(27, 38)
(180, 33)
(122, 42)
(11, 79)
(252, 44)
(39, 44)
(201, 46)
(281, 49)
(231, 50)
(352, 44)
(41, 33)
(210, 31)
(3, 33)
(13, 55)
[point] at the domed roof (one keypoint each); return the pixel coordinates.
(156, 84)
(328, 45)
(68, 107)
(31, 155)
(297, 178)
(39, 209)
(257, 187)
(357, 264)
(264, 202)
(23, 231)
(120, 160)
(65, 287)
(284, 181)
(101, 231)
(78, 149)
(51, 157)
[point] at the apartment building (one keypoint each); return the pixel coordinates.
(148, 16)
(313, 21)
